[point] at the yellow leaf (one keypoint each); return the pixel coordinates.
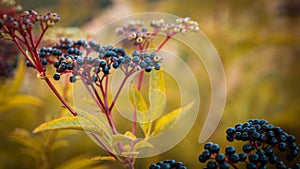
(142, 110)
(157, 80)
(123, 138)
(100, 121)
(141, 144)
(75, 123)
(157, 94)
(168, 120)
(103, 158)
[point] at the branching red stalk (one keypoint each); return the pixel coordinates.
(120, 89)
(62, 100)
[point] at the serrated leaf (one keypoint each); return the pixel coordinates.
(103, 158)
(142, 110)
(166, 121)
(141, 144)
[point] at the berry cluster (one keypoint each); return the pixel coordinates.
(262, 138)
(182, 25)
(12, 19)
(168, 164)
(135, 32)
(73, 57)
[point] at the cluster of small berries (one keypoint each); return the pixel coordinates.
(73, 57)
(182, 25)
(168, 164)
(14, 20)
(261, 139)
(134, 31)
(8, 59)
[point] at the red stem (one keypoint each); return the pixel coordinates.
(63, 101)
(119, 90)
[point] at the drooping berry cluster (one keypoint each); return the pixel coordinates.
(262, 138)
(73, 57)
(168, 164)
(12, 19)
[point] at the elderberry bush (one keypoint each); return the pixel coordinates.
(261, 139)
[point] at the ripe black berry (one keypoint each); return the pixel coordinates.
(229, 150)
(220, 158)
(56, 76)
(211, 165)
(247, 148)
(224, 165)
(234, 158)
(253, 158)
(215, 148)
(72, 79)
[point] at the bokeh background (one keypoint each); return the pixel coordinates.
(259, 45)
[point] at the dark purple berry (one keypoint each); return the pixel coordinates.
(56, 76)
(220, 158)
(251, 165)
(282, 146)
(214, 148)
(242, 157)
(247, 148)
(229, 150)
(208, 145)
(273, 159)
(211, 165)
(234, 158)
(281, 165)
(253, 158)
(224, 165)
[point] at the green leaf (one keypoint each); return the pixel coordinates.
(103, 158)
(168, 120)
(141, 144)
(142, 110)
